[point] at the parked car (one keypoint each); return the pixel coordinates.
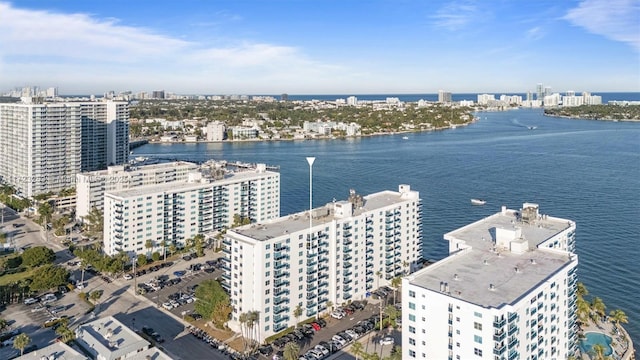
(30, 301)
(387, 340)
(337, 315)
(127, 276)
(321, 322)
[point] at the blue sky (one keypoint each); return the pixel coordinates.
(320, 47)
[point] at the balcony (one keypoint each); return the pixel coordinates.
(323, 284)
(369, 265)
(280, 309)
(498, 323)
(347, 281)
(280, 283)
(281, 274)
(513, 317)
(279, 319)
(369, 243)
(280, 300)
(323, 292)
(499, 349)
(311, 271)
(513, 342)
(311, 305)
(499, 336)
(281, 292)
(347, 234)
(281, 265)
(347, 257)
(311, 280)
(311, 287)
(323, 260)
(512, 329)
(280, 256)
(347, 273)
(347, 242)
(312, 255)
(312, 263)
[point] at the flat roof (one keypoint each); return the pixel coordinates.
(56, 350)
(129, 168)
(174, 187)
(487, 276)
(321, 215)
(110, 338)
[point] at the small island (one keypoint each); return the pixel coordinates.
(597, 112)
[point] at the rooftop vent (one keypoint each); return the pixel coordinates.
(492, 287)
(516, 269)
(456, 277)
(485, 262)
(532, 261)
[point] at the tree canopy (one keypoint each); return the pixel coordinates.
(49, 276)
(37, 256)
(213, 302)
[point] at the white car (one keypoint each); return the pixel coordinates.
(388, 340)
(352, 333)
(167, 306)
(321, 349)
(30, 301)
(127, 276)
(337, 315)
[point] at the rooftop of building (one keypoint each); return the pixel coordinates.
(487, 273)
(229, 177)
(324, 214)
(110, 338)
(118, 169)
(56, 350)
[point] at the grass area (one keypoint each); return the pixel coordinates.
(11, 278)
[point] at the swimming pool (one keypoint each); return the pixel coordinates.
(592, 338)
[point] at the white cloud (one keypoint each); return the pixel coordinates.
(618, 20)
(535, 33)
(38, 46)
(455, 16)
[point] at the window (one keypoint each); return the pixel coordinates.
(412, 329)
(477, 314)
(412, 293)
(477, 338)
(477, 351)
(412, 341)
(412, 353)
(477, 326)
(412, 306)
(412, 317)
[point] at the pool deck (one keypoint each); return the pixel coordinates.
(622, 344)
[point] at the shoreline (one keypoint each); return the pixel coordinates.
(452, 127)
(592, 119)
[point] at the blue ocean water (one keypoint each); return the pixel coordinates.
(587, 171)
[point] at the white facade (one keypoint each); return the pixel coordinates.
(44, 145)
(272, 267)
(40, 146)
(216, 131)
(91, 186)
(506, 291)
(173, 212)
(484, 99)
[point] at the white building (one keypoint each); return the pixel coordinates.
(484, 99)
(216, 131)
(506, 291)
(44, 145)
(91, 186)
(109, 339)
(272, 267)
(242, 132)
(173, 212)
(444, 96)
(352, 101)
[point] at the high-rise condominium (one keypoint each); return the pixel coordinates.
(44, 145)
(344, 251)
(506, 291)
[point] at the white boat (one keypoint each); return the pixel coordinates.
(532, 127)
(478, 202)
(405, 138)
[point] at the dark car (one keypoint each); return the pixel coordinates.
(321, 322)
(147, 330)
(265, 350)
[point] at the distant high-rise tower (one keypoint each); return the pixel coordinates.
(44, 145)
(539, 92)
(444, 96)
(157, 94)
(284, 97)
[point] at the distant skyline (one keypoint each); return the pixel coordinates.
(320, 47)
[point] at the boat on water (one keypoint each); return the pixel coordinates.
(405, 138)
(478, 202)
(532, 127)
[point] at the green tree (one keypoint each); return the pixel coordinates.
(3, 324)
(243, 318)
(598, 306)
(148, 245)
(212, 302)
(598, 351)
(291, 351)
(49, 276)
(95, 295)
(618, 316)
(20, 342)
(199, 244)
(38, 255)
(45, 211)
(357, 349)
(94, 223)
(65, 333)
(395, 284)
(297, 312)
(155, 256)
(172, 249)
(581, 290)
(142, 259)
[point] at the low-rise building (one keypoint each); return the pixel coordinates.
(506, 291)
(344, 251)
(109, 339)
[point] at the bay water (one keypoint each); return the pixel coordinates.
(584, 170)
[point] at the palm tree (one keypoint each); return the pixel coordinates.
(581, 290)
(357, 349)
(20, 342)
(379, 276)
(297, 312)
(395, 284)
(45, 210)
(291, 351)
(252, 321)
(172, 248)
(598, 306)
(164, 250)
(329, 305)
(583, 310)
(243, 318)
(65, 333)
(148, 245)
(618, 316)
(598, 350)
